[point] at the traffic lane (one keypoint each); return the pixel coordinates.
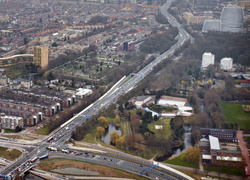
(116, 163)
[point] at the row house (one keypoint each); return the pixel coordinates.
(64, 100)
(21, 107)
(31, 119)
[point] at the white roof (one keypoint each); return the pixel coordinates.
(227, 158)
(204, 156)
(185, 108)
(82, 91)
(171, 102)
(214, 143)
(158, 126)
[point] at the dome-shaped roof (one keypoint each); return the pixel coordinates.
(211, 25)
(232, 18)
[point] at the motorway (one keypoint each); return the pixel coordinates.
(63, 133)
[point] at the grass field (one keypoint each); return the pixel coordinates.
(165, 132)
(9, 131)
(43, 131)
(177, 161)
(11, 155)
(58, 163)
(225, 170)
(89, 138)
(235, 114)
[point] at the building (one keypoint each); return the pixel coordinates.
(125, 46)
(218, 145)
(225, 135)
(139, 101)
(207, 59)
(3, 80)
(11, 122)
(41, 56)
(231, 20)
(192, 19)
(151, 20)
(181, 104)
(245, 80)
(226, 63)
(6, 33)
(80, 93)
(16, 59)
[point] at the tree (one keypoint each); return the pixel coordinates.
(120, 108)
(54, 44)
(103, 121)
(119, 142)
(18, 129)
(134, 123)
(192, 155)
(114, 136)
(99, 131)
(213, 101)
(199, 83)
(117, 119)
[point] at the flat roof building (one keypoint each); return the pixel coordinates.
(41, 56)
(207, 59)
(226, 63)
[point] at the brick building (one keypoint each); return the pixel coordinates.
(219, 145)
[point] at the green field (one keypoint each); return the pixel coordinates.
(225, 170)
(235, 114)
(43, 131)
(89, 138)
(9, 131)
(177, 161)
(165, 132)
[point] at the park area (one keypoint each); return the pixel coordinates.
(235, 114)
(166, 128)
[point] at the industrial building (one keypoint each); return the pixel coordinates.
(207, 59)
(226, 63)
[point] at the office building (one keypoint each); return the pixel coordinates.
(231, 20)
(226, 63)
(207, 59)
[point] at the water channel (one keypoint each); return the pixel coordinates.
(187, 141)
(106, 137)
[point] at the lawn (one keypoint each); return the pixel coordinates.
(11, 155)
(225, 170)
(165, 132)
(43, 131)
(9, 131)
(177, 161)
(89, 138)
(235, 114)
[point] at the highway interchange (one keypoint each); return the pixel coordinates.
(63, 133)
